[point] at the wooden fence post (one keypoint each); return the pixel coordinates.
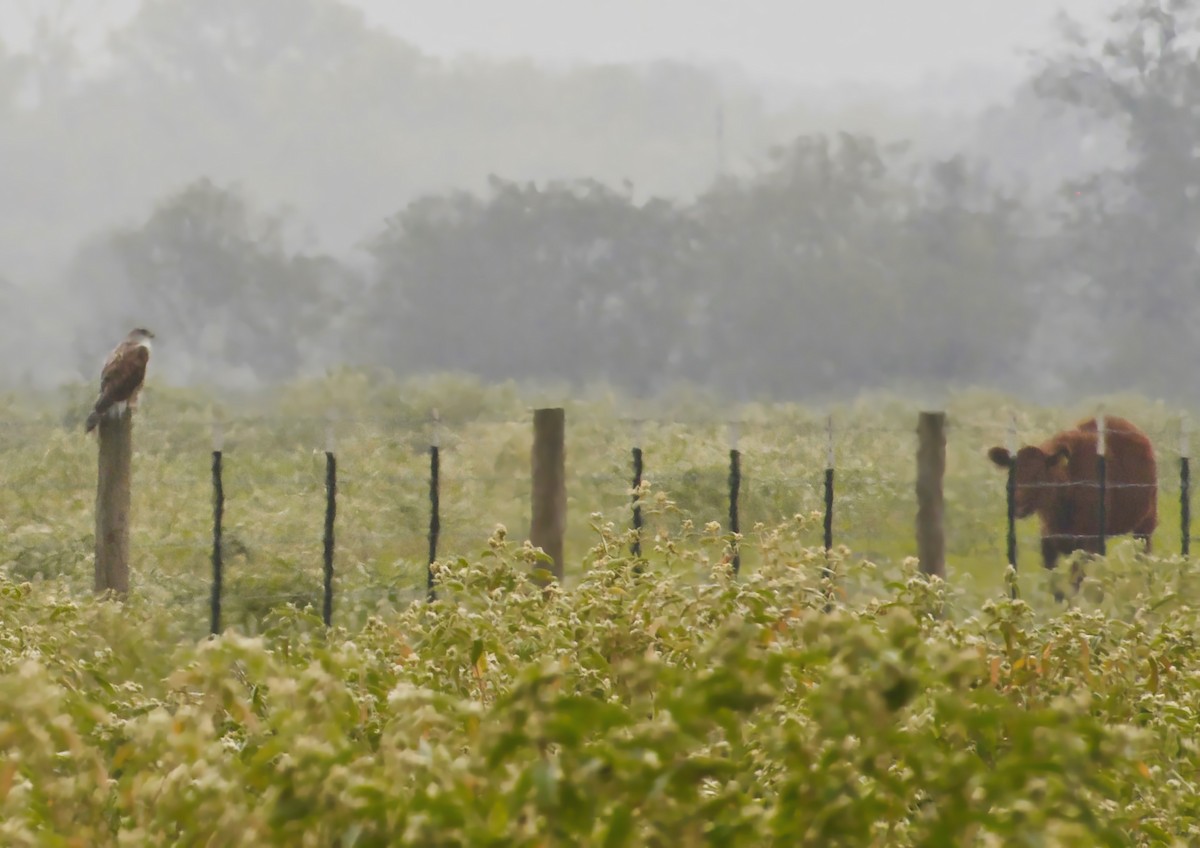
(931, 468)
(735, 487)
(112, 503)
(548, 523)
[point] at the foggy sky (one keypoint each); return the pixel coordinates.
(799, 41)
(807, 42)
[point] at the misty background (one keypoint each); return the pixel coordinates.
(789, 200)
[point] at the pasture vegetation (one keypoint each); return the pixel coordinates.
(682, 705)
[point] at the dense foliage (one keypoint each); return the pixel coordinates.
(628, 710)
(485, 218)
(678, 705)
(821, 259)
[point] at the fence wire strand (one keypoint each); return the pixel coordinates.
(870, 498)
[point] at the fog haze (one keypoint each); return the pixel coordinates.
(799, 42)
(840, 196)
(804, 41)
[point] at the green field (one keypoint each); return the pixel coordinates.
(682, 706)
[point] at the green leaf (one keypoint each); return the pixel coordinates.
(620, 826)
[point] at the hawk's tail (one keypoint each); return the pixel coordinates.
(101, 407)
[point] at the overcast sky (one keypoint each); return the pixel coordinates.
(804, 41)
(798, 41)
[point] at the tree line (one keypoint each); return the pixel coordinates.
(825, 270)
(840, 262)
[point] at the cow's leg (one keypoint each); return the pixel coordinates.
(1144, 530)
(1050, 552)
(1077, 575)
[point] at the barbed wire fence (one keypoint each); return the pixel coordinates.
(389, 482)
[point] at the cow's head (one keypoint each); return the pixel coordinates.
(1037, 472)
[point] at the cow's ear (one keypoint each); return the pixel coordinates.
(1001, 457)
(1059, 458)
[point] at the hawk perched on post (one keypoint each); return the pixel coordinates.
(122, 375)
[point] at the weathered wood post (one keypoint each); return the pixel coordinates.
(112, 503)
(548, 523)
(931, 468)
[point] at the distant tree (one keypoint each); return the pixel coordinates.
(832, 271)
(12, 77)
(210, 44)
(13, 344)
(829, 271)
(1131, 231)
(50, 67)
(220, 286)
(969, 255)
(571, 281)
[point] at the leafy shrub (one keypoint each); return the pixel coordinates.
(631, 709)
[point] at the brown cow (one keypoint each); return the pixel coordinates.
(1059, 480)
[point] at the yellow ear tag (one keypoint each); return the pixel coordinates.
(1060, 460)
